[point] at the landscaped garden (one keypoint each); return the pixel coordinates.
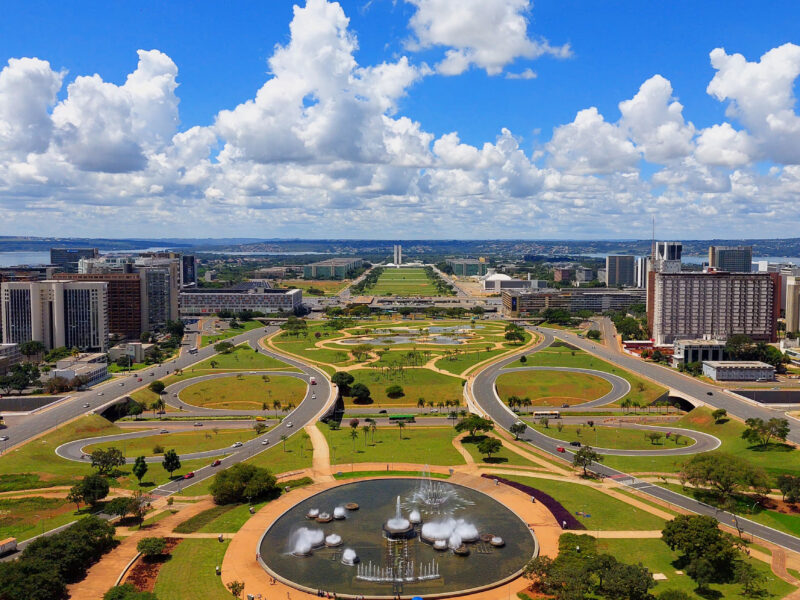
(552, 388)
(601, 436)
(183, 442)
(409, 444)
(245, 392)
(561, 354)
(410, 281)
(224, 334)
(245, 358)
(190, 571)
(415, 384)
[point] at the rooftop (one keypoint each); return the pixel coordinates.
(260, 290)
(737, 364)
(335, 262)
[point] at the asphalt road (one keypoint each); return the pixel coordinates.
(484, 394)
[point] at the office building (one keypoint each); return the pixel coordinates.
(619, 271)
(467, 267)
(92, 368)
(124, 300)
(66, 259)
(713, 305)
(690, 351)
(640, 269)
(528, 303)
(497, 282)
(333, 268)
(734, 259)
(202, 301)
(188, 270)
(398, 255)
(667, 257)
(9, 356)
(137, 352)
(738, 370)
(106, 264)
(563, 274)
(56, 313)
(161, 274)
(792, 303)
(584, 275)
(27, 273)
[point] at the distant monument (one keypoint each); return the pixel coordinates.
(398, 255)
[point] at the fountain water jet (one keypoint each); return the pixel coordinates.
(304, 540)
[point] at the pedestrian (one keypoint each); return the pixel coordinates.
(533, 500)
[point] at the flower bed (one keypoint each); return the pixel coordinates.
(561, 514)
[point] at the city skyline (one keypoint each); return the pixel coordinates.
(399, 120)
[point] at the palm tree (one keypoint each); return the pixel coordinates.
(401, 425)
(373, 427)
(421, 403)
(625, 404)
(276, 406)
(354, 437)
(365, 429)
(283, 439)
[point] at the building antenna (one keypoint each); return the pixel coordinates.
(653, 247)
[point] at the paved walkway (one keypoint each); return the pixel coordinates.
(103, 575)
(321, 460)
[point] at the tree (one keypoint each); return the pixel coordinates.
(709, 554)
(157, 387)
(283, 439)
(354, 437)
(489, 446)
(517, 429)
(593, 334)
(724, 472)
(654, 436)
(127, 591)
(243, 482)
(752, 579)
(224, 347)
(90, 490)
(523, 359)
(474, 423)
(515, 335)
(343, 379)
(105, 461)
(31, 348)
(761, 432)
(719, 414)
(673, 594)
(360, 392)
(118, 506)
(139, 468)
(585, 457)
(394, 391)
(151, 547)
(171, 462)
(236, 588)
(400, 426)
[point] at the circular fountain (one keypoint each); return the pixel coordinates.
(339, 513)
(419, 537)
(324, 517)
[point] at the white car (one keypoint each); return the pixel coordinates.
(163, 431)
(289, 424)
(86, 405)
(3, 438)
(236, 445)
(313, 396)
(265, 443)
(100, 393)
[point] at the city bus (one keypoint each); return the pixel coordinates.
(550, 414)
(403, 418)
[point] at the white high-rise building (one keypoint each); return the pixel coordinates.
(57, 313)
(641, 267)
(667, 257)
(398, 255)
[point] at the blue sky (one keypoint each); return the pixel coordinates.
(221, 53)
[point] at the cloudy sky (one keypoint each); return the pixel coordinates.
(400, 119)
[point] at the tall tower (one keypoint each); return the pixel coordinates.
(398, 255)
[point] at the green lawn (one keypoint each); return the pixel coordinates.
(403, 282)
(461, 362)
(607, 513)
(504, 457)
(295, 457)
(189, 573)
(609, 437)
(24, 518)
(658, 558)
(230, 332)
(195, 523)
(420, 445)
(245, 392)
(115, 368)
(776, 459)
(183, 442)
(244, 357)
(552, 388)
(416, 383)
(330, 287)
(560, 354)
(357, 474)
(231, 520)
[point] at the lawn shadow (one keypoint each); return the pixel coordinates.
(495, 460)
(771, 447)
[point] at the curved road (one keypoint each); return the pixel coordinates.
(483, 392)
(619, 386)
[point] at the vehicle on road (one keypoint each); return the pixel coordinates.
(312, 380)
(289, 424)
(138, 379)
(86, 405)
(3, 438)
(576, 444)
(8, 545)
(265, 443)
(561, 449)
(192, 350)
(403, 418)
(261, 418)
(710, 393)
(236, 445)
(198, 424)
(382, 411)
(216, 463)
(100, 393)
(313, 396)
(550, 414)
(565, 405)
(189, 475)
(122, 383)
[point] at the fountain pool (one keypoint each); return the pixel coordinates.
(408, 537)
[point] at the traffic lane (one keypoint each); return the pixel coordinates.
(619, 386)
(190, 426)
(669, 378)
(43, 421)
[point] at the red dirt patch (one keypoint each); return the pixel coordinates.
(144, 573)
(780, 506)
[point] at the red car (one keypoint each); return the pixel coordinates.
(189, 475)
(139, 379)
(560, 449)
(216, 463)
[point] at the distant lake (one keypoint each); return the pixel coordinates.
(9, 259)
